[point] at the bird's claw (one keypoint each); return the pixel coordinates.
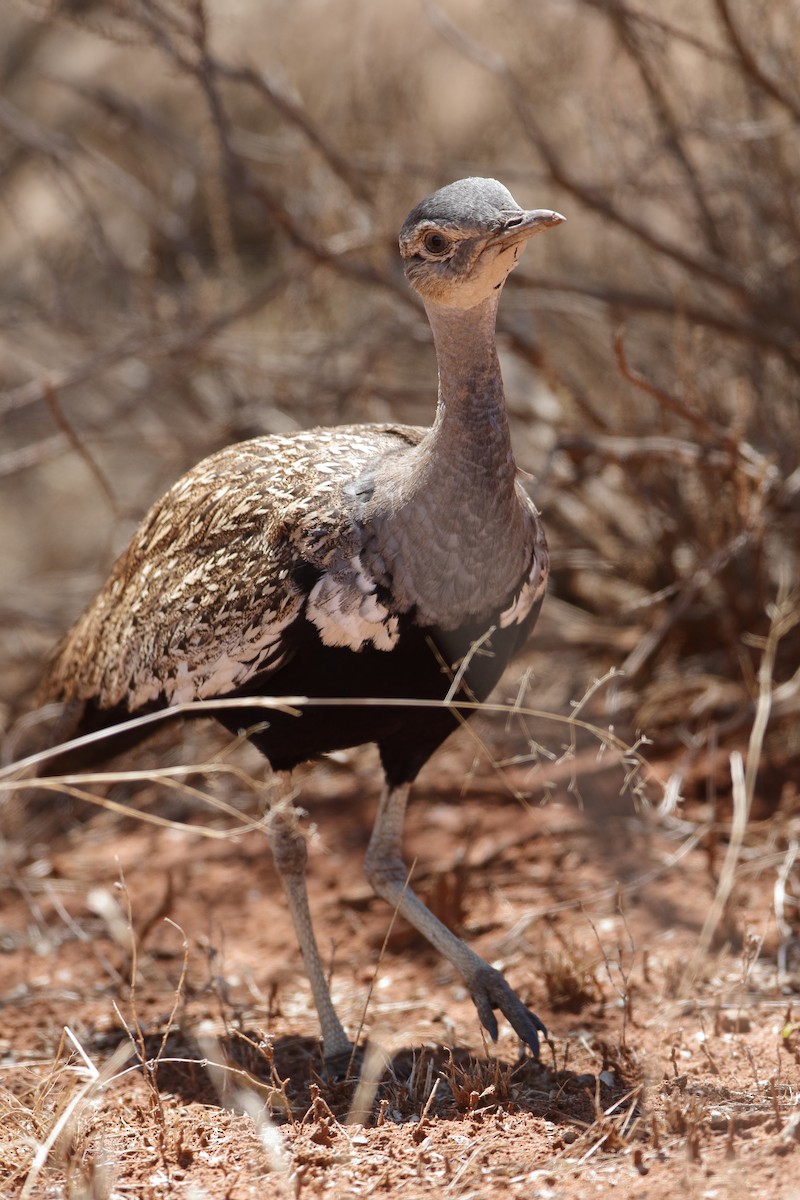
(337, 1066)
(489, 991)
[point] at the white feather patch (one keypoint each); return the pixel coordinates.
(530, 592)
(344, 607)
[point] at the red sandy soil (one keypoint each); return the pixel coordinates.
(664, 1077)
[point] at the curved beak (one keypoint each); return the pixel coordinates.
(525, 224)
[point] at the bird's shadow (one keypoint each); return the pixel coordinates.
(292, 1080)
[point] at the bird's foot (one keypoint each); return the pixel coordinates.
(342, 1064)
(489, 991)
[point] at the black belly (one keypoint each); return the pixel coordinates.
(420, 667)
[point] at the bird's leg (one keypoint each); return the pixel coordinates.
(388, 875)
(289, 850)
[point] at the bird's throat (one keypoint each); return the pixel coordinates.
(470, 433)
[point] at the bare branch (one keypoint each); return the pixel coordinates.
(168, 345)
(672, 403)
(667, 120)
(95, 470)
(718, 272)
(751, 65)
(673, 32)
(744, 328)
(651, 641)
(205, 68)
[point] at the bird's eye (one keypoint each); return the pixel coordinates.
(434, 242)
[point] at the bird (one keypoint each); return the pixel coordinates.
(397, 565)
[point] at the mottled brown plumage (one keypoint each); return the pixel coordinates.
(197, 603)
(349, 562)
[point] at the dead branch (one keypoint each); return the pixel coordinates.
(751, 66)
(651, 641)
(95, 470)
(667, 401)
(672, 32)
(749, 459)
(741, 326)
(168, 345)
(716, 271)
(630, 39)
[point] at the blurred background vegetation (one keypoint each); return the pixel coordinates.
(199, 206)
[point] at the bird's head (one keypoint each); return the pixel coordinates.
(459, 245)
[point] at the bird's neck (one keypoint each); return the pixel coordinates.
(452, 531)
(471, 426)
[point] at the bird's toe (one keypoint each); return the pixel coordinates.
(490, 991)
(342, 1064)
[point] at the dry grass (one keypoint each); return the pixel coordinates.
(66, 1137)
(289, 1120)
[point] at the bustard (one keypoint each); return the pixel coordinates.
(363, 561)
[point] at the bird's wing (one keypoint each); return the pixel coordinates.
(220, 568)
